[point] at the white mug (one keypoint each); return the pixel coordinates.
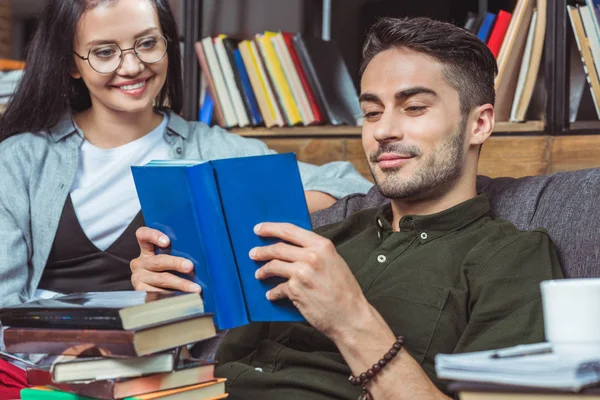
(572, 315)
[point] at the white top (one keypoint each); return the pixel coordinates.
(103, 193)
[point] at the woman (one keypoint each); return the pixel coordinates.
(101, 92)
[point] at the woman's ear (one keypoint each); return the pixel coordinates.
(75, 71)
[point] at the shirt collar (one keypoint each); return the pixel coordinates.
(433, 226)
(66, 127)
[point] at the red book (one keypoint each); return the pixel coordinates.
(289, 41)
(497, 36)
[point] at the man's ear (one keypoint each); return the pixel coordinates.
(482, 124)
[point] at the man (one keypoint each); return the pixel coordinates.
(432, 266)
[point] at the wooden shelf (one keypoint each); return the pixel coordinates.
(355, 131)
(593, 126)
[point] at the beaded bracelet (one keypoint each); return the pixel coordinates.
(366, 376)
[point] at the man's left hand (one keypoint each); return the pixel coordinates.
(319, 282)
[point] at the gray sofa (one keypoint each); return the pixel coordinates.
(567, 204)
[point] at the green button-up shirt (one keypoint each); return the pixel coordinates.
(451, 282)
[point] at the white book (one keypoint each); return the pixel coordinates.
(234, 92)
(524, 68)
(217, 76)
(533, 365)
(291, 75)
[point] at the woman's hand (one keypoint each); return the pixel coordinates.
(150, 272)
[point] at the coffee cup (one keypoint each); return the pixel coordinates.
(572, 316)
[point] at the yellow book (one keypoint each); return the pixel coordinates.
(258, 84)
(274, 67)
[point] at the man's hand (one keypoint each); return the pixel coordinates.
(319, 282)
(149, 272)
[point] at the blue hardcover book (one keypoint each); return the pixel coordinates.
(206, 111)
(486, 26)
(209, 210)
(257, 118)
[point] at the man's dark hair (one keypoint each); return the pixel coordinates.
(468, 65)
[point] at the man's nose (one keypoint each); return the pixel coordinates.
(388, 127)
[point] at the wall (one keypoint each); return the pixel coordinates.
(5, 28)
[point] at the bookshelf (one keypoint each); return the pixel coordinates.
(516, 149)
(193, 32)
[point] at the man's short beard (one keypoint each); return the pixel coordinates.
(439, 170)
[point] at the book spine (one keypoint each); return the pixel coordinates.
(225, 292)
(499, 32)
(211, 88)
(247, 88)
(230, 48)
(306, 62)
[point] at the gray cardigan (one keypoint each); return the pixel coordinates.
(37, 171)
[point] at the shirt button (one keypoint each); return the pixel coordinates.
(379, 223)
(424, 235)
(179, 150)
(259, 369)
(379, 234)
(381, 258)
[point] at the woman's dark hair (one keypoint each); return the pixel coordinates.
(468, 65)
(47, 88)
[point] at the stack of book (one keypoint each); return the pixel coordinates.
(517, 41)
(112, 345)
(275, 79)
(531, 371)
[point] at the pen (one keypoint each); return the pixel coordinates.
(519, 351)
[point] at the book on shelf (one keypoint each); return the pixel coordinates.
(510, 58)
(282, 79)
(230, 81)
(275, 70)
(209, 210)
(104, 310)
(187, 372)
(260, 85)
(586, 55)
(486, 26)
(212, 68)
(498, 32)
(211, 88)
(211, 390)
(533, 365)
(231, 46)
(524, 70)
(289, 41)
(493, 391)
(291, 74)
(148, 340)
(329, 76)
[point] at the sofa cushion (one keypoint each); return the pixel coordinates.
(564, 203)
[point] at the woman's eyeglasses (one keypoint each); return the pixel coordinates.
(107, 58)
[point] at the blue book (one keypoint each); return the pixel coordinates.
(206, 111)
(486, 26)
(257, 118)
(209, 210)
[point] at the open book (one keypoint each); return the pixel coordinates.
(533, 365)
(209, 210)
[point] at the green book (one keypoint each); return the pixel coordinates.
(40, 393)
